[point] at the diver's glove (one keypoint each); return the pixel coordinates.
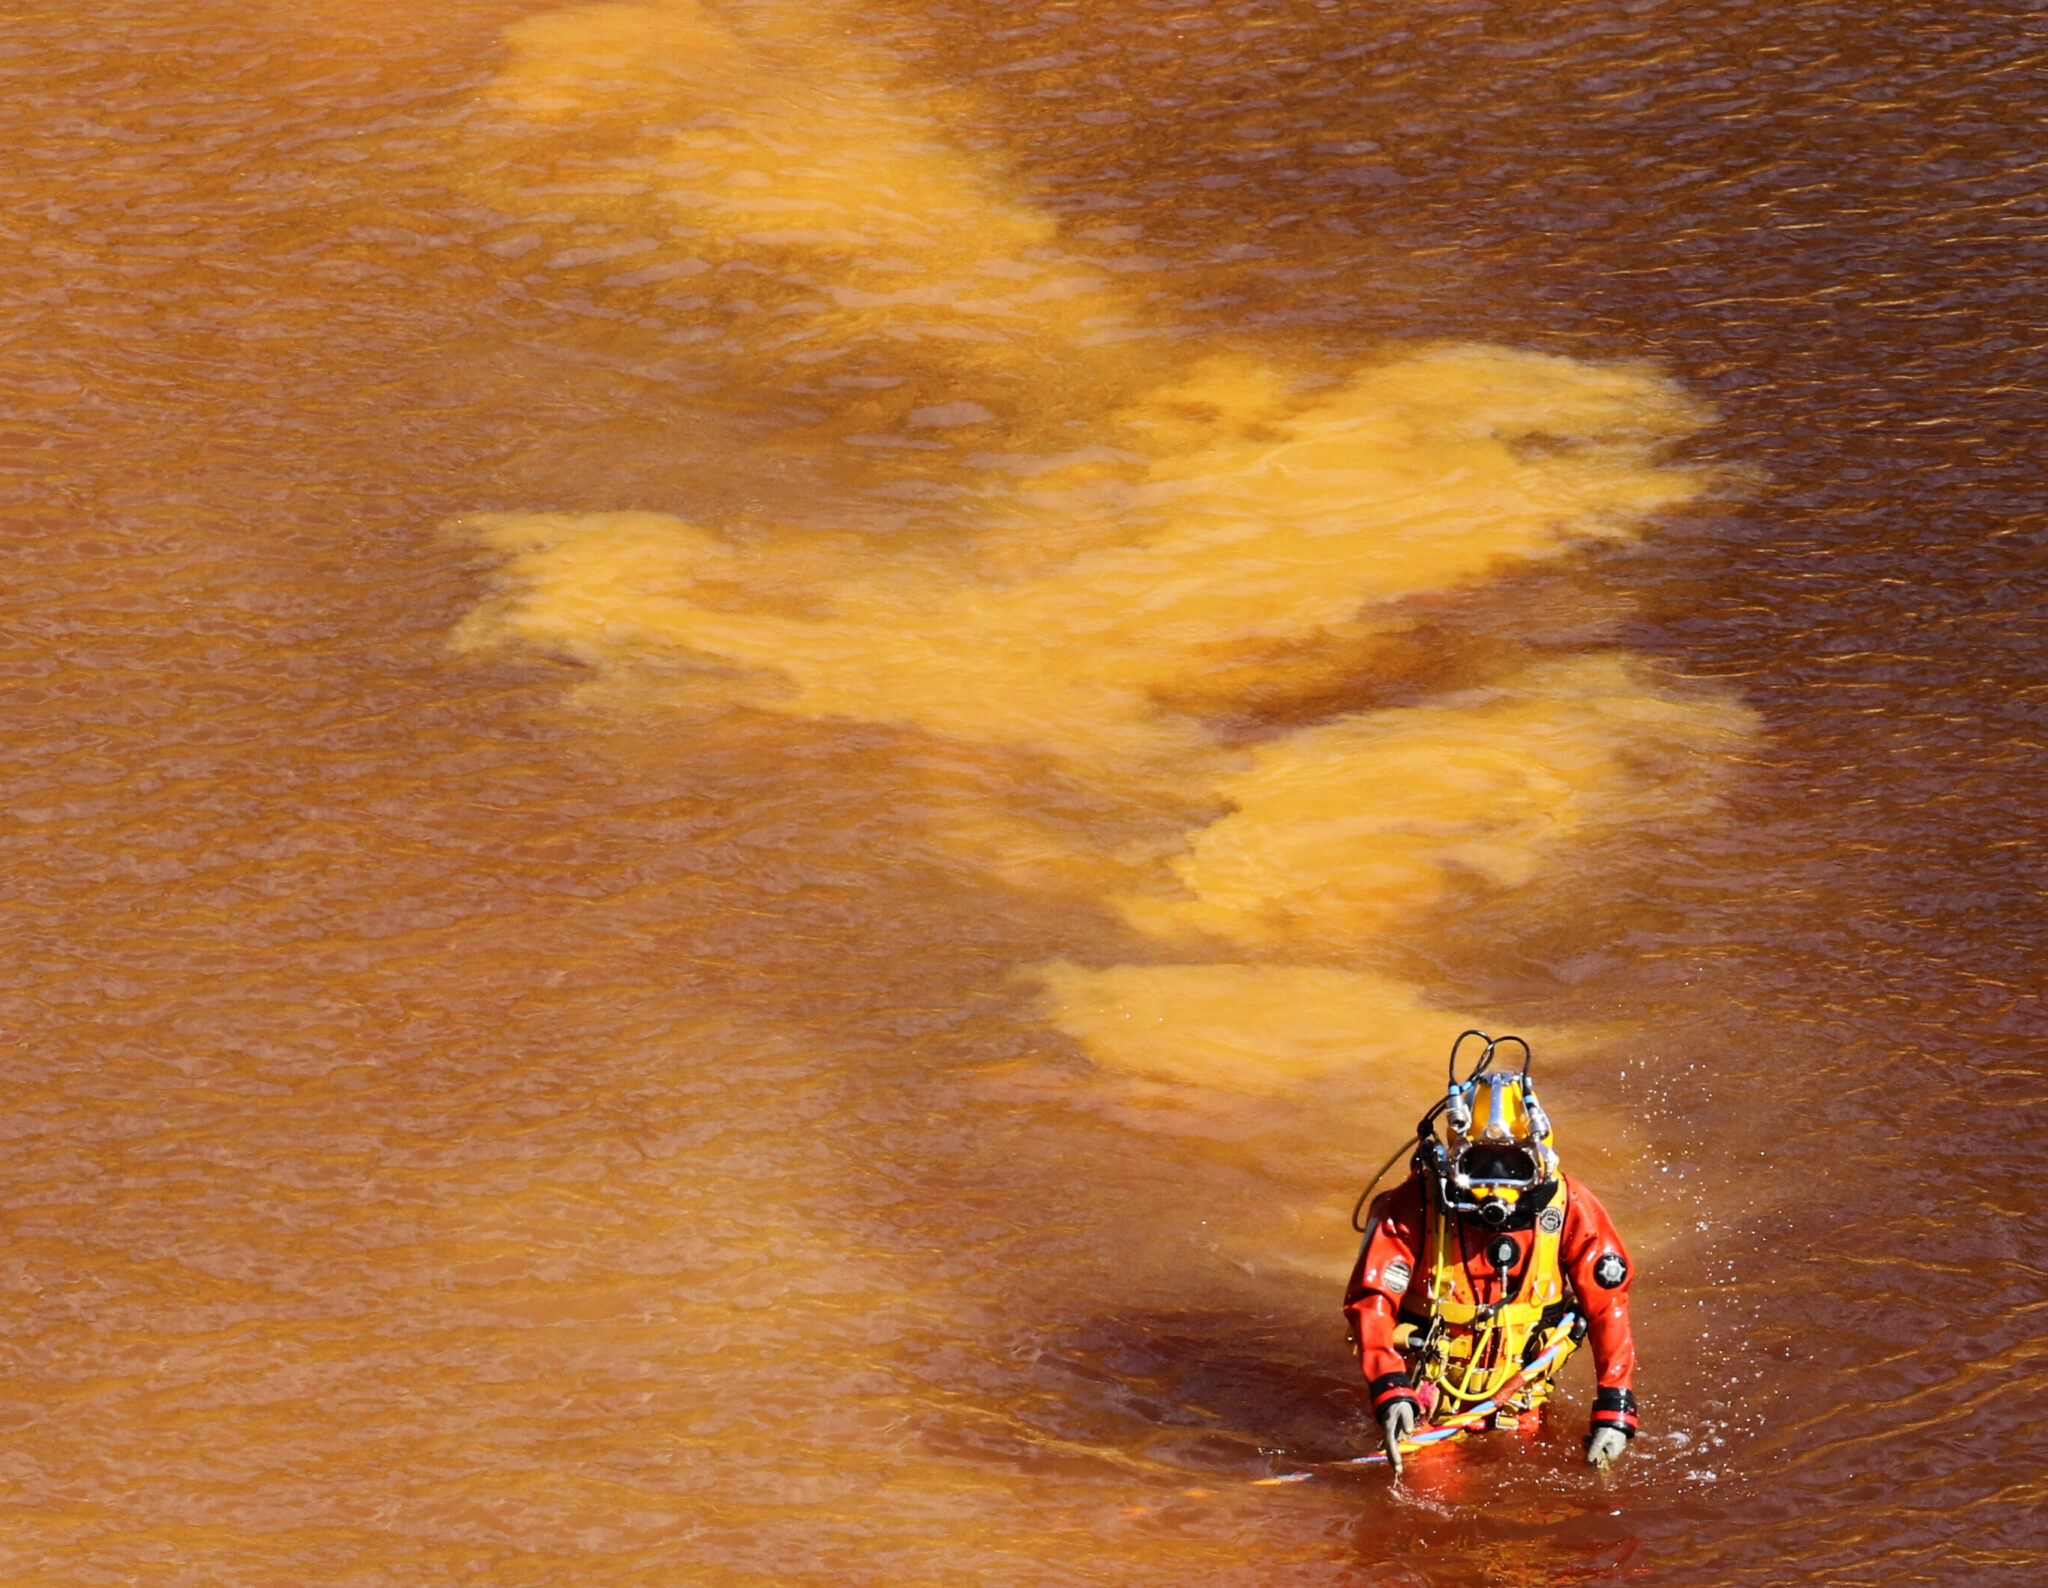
(1397, 1411)
(1614, 1425)
(1397, 1423)
(1605, 1446)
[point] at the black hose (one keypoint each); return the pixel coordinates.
(1358, 1207)
(1423, 1128)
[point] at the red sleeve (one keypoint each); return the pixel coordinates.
(1387, 1260)
(1598, 1266)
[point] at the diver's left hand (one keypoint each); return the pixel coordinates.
(1605, 1447)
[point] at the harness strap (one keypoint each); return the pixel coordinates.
(1474, 1358)
(1540, 1286)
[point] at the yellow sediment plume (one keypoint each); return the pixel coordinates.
(1122, 593)
(1345, 502)
(797, 139)
(760, 152)
(1342, 829)
(1256, 1029)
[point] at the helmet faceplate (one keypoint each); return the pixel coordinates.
(1498, 1165)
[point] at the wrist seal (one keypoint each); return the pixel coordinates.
(1615, 1408)
(1390, 1389)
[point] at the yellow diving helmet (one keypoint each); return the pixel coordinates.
(1498, 1165)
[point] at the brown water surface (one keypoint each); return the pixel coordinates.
(753, 749)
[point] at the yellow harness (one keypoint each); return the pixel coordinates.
(1470, 1352)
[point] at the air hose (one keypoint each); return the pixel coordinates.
(1546, 1361)
(1464, 1423)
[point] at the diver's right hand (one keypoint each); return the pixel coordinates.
(1397, 1423)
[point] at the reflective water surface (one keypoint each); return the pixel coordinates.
(753, 749)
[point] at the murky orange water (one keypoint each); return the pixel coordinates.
(752, 751)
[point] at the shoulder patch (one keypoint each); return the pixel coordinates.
(1550, 1220)
(1396, 1277)
(1611, 1270)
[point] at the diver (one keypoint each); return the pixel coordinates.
(1481, 1273)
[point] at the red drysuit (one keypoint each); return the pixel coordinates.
(1389, 1284)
